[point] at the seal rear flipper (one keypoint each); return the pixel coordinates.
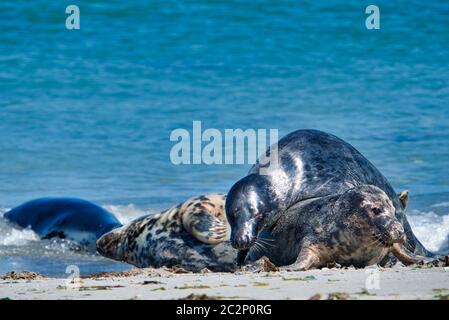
(404, 197)
(412, 243)
(206, 227)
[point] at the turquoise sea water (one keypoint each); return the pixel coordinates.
(89, 112)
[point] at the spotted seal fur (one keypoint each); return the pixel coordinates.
(193, 235)
(317, 169)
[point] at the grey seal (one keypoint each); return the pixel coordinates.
(356, 228)
(316, 173)
(74, 219)
(193, 235)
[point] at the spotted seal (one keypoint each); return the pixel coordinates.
(193, 235)
(313, 177)
(77, 220)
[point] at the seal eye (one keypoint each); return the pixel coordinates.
(376, 211)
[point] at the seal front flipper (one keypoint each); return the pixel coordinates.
(401, 252)
(205, 227)
(406, 257)
(307, 259)
(204, 218)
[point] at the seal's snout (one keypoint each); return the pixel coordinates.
(241, 243)
(397, 233)
(241, 240)
(109, 245)
(391, 232)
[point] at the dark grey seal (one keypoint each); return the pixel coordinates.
(74, 219)
(292, 209)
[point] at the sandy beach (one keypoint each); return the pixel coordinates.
(340, 284)
(214, 133)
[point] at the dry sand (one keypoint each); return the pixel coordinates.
(369, 283)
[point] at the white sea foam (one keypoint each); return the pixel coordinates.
(18, 237)
(10, 236)
(127, 213)
(431, 229)
(441, 205)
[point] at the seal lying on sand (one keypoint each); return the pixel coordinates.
(193, 235)
(356, 228)
(293, 206)
(73, 219)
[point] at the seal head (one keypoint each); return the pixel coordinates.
(248, 206)
(193, 235)
(368, 208)
(110, 245)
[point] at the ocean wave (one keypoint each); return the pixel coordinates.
(431, 229)
(17, 237)
(441, 205)
(127, 213)
(10, 236)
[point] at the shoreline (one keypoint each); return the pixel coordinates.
(396, 283)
